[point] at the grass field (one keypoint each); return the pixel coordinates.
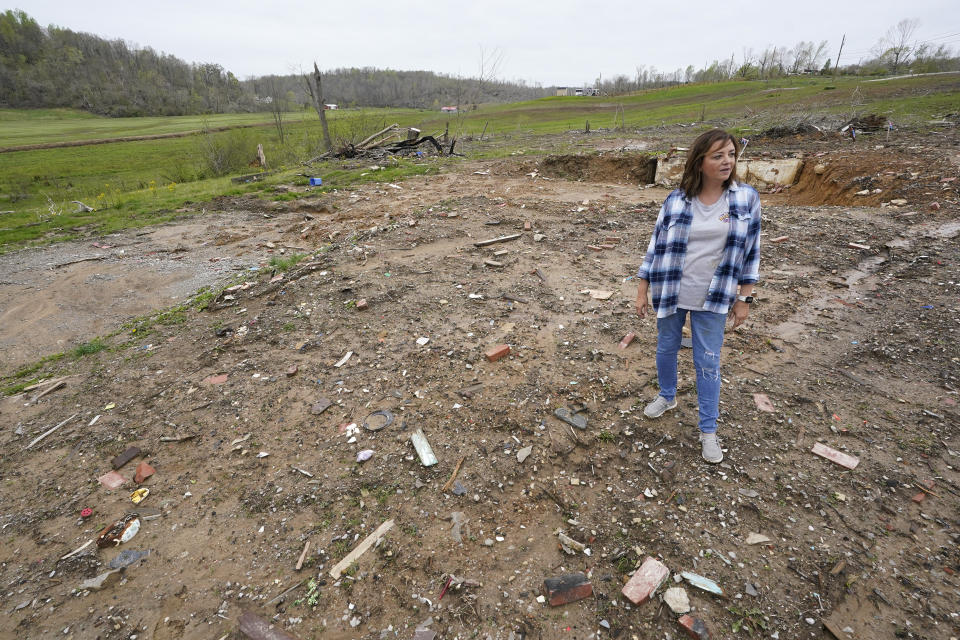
(137, 183)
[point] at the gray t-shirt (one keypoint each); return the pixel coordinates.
(708, 236)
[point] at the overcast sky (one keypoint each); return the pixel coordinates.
(560, 42)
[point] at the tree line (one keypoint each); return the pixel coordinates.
(896, 52)
(56, 67)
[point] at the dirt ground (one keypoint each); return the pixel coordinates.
(855, 346)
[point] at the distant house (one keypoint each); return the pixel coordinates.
(448, 109)
(330, 106)
(573, 91)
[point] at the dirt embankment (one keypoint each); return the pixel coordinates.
(252, 413)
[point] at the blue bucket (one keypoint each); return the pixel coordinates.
(316, 182)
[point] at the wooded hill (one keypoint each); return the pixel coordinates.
(42, 67)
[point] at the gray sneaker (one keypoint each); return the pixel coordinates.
(710, 448)
(656, 408)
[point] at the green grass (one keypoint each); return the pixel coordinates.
(285, 263)
(140, 183)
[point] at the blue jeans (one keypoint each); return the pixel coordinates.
(707, 329)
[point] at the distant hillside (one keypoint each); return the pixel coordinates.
(45, 67)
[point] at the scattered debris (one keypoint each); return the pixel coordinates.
(125, 457)
(378, 420)
(677, 599)
(757, 538)
(763, 402)
(706, 584)
(694, 627)
(127, 557)
(360, 549)
(143, 471)
(573, 419)
(840, 458)
(49, 431)
(567, 588)
(422, 445)
(112, 480)
(495, 353)
(123, 530)
(645, 581)
(102, 581)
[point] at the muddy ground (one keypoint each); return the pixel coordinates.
(855, 347)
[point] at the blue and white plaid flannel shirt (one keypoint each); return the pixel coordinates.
(740, 263)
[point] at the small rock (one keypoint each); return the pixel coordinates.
(539, 237)
(677, 599)
(524, 453)
(751, 590)
(757, 538)
(820, 169)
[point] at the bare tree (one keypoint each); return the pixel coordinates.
(277, 106)
(314, 87)
(489, 66)
(897, 45)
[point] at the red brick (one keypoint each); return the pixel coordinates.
(645, 581)
(695, 627)
(111, 480)
(362, 304)
(608, 246)
(144, 471)
(216, 379)
(612, 239)
(567, 588)
(292, 370)
(920, 497)
(594, 247)
(780, 239)
(627, 339)
(527, 226)
(495, 353)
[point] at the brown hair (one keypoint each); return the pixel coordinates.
(692, 181)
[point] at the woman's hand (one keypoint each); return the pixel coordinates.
(642, 305)
(739, 313)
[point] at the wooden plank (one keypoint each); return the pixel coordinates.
(49, 431)
(360, 549)
(484, 243)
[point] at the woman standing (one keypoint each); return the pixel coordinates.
(703, 260)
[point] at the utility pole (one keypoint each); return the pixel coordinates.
(838, 55)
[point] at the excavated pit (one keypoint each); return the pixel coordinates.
(629, 169)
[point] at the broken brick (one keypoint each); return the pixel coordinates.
(125, 457)
(292, 370)
(920, 497)
(695, 627)
(527, 226)
(143, 472)
(495, 353)
(567, 588)
(593, 247)
(645, 581)
(612, 239)
(216, 379)
(779, 239)
(362, 304)
(111, 480)
(627, 339)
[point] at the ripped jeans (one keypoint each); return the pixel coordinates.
(707, 328)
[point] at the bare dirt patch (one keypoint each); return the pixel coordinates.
(855, 348)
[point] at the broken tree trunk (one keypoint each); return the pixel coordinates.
(369, 141)
(317, 94)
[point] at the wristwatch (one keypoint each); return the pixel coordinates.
(747, 299)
